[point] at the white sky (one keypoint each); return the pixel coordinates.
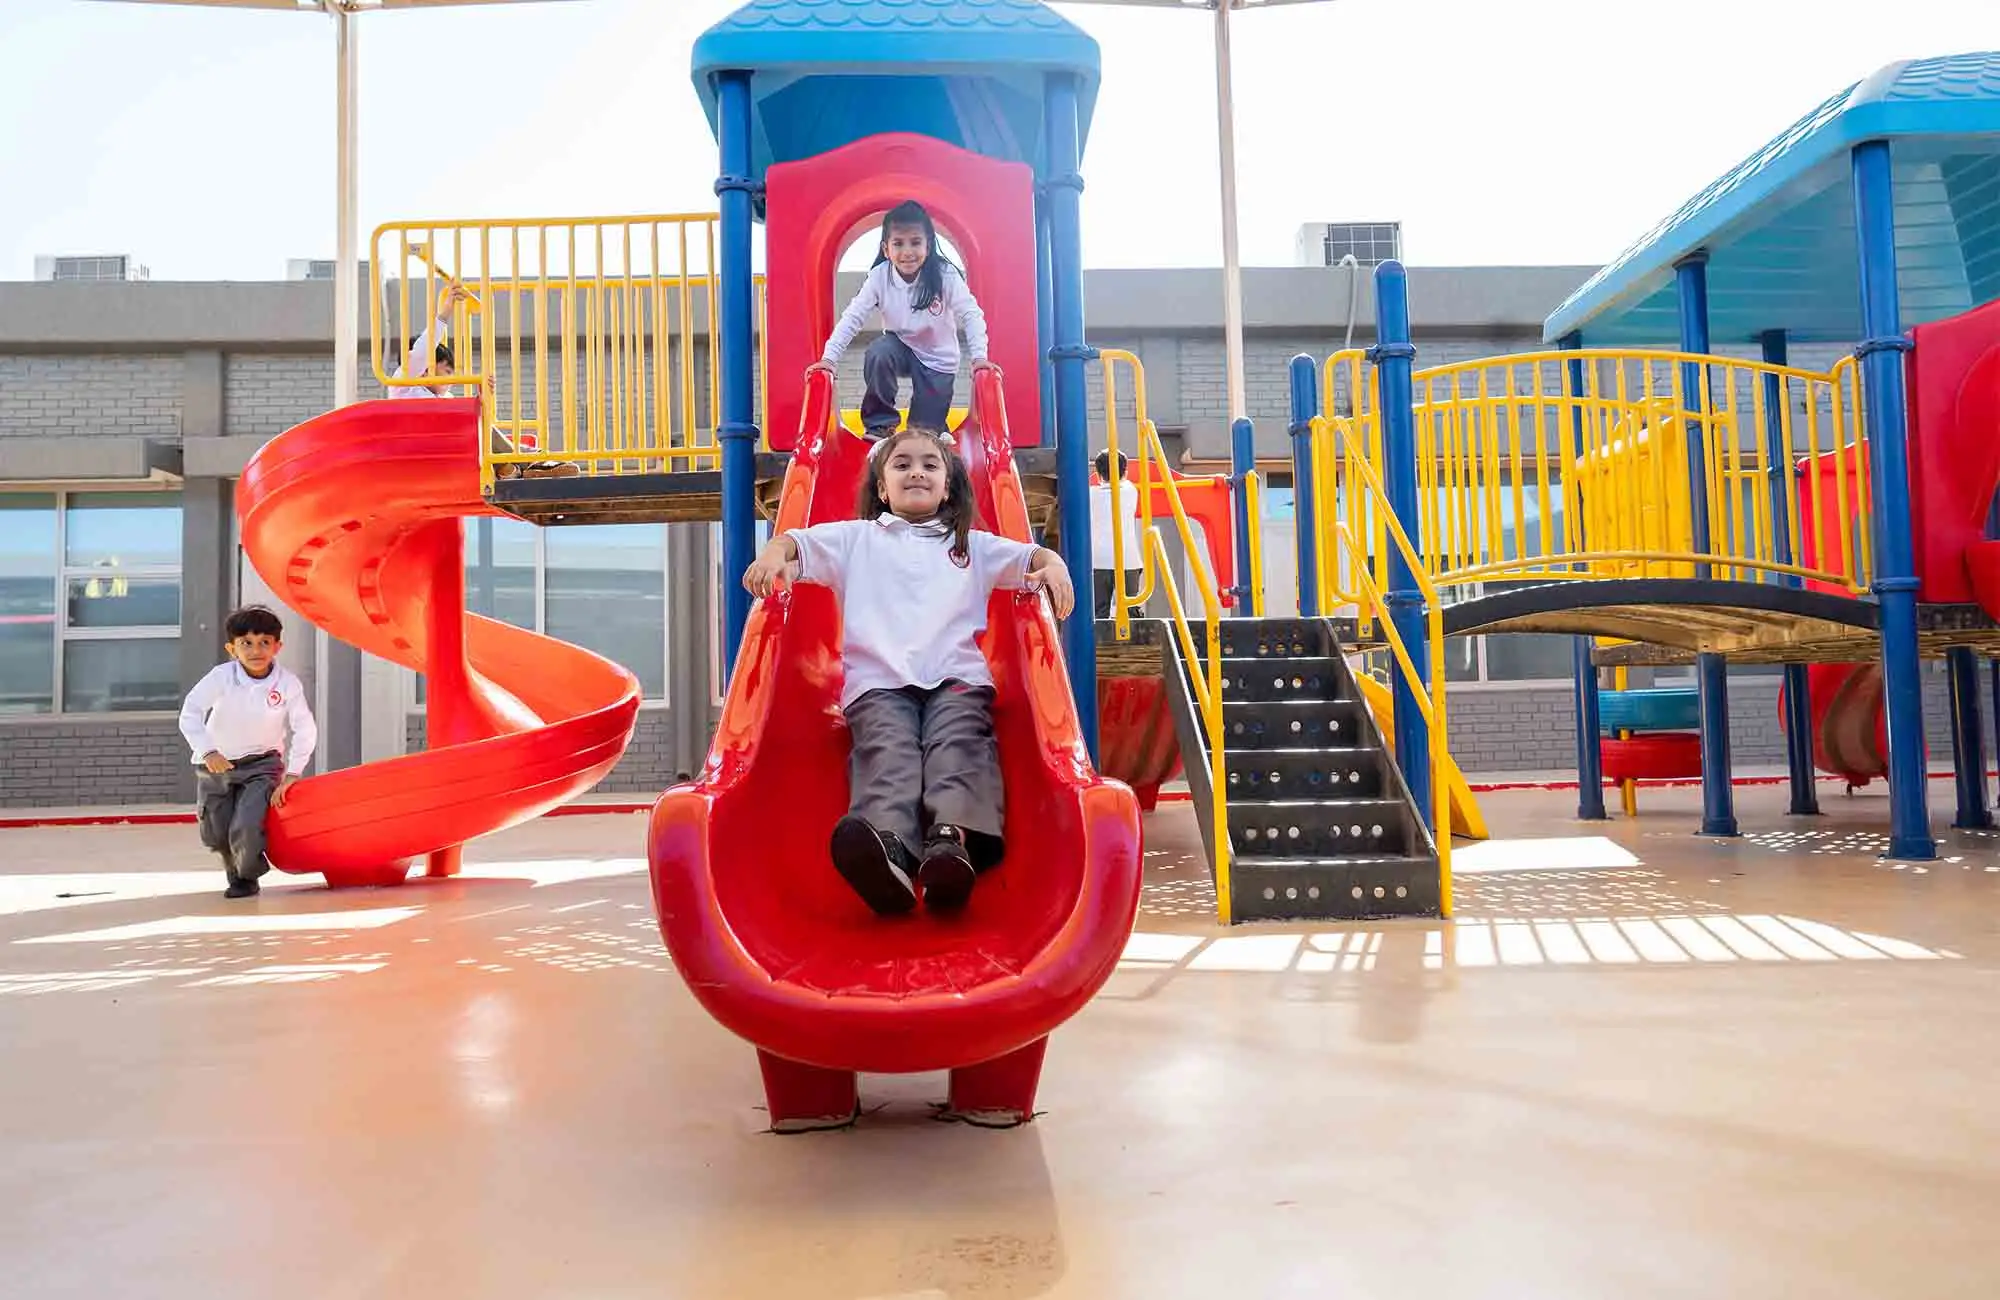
(1497, 131)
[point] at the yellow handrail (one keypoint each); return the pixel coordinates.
(1206, 678)
(1361, 480)
(592, 341)
(1253, 506)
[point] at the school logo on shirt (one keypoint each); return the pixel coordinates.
(276, 699)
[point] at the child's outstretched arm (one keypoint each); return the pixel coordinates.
(1047, 571)
(972, 319)
(304, 739)
(777, 565)
(850, 323)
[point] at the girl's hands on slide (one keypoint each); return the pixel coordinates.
(1048, 572)
(819, 367)
(768, 573)
(980, 367)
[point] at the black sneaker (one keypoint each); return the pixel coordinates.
(242, 889)
(875, 863)
(946, 876)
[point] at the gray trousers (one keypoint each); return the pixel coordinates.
(888, 360)
(232, 809)
(925, 758)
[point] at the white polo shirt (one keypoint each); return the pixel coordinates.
(1102, 554)
(233, 714)
(911, 614)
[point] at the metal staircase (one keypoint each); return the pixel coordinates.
(1320, 825)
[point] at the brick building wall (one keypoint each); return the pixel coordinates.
(90, 396)
(56, 763)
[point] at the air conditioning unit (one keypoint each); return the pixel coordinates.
(91, 268)
(316, 268)
(1324, 243)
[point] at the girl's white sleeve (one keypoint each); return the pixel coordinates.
(970, 315)
(825, 549)
(999, 561)
(856, 315)
(418, 363)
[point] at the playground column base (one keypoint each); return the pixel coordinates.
(1718, 798)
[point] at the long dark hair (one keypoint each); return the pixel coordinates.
(960, 511)
(930, 278)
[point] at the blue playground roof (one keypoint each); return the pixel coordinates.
(829, 72)
(1779, 226)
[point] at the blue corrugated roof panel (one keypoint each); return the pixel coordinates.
(1779, 226)
(828, 72)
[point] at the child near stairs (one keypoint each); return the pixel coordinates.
(912, 579)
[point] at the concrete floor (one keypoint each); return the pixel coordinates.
(1639, 1064)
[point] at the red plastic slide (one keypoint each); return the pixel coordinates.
(353, 518)
(776, 946)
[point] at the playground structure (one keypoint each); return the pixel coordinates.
(1659, 506)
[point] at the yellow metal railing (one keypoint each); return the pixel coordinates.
(1523, 473)
(1204, 670)
(591, 340)
(1353, 530)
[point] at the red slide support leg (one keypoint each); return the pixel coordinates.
(806, 1098)
(999, 1093)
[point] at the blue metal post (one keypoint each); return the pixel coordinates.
(1968, 742)
(1392, 355)
(1589, 754)
(1045, 315)
(1881, 353)
(1242, 461)
(1778, 473)
(1065, 209)
(1305, 405)
(1718, 796)
(737, 335)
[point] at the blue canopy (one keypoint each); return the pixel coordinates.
(1779, 226)
(829, 72)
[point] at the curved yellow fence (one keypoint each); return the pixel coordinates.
(1577, 464)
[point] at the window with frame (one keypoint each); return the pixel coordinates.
(601, 586)
(90, 602)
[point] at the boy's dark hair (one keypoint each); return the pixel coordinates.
(444, 357)
(930, 280)
(960, 511)
(253, 620)
(1104, 470)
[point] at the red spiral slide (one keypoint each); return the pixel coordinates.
(353, 518)
(775, 945)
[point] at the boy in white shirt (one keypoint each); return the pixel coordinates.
(1103, 559)
(236, 721)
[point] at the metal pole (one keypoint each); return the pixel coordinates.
(347, 257)
(1583, 665)
(1778, 471)
(1896, 584)
(1232, 260)
(1065, 207)
(1392, 356)
(1718, 795)
(1968, 741)
(1305, 405)
(738, 429)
